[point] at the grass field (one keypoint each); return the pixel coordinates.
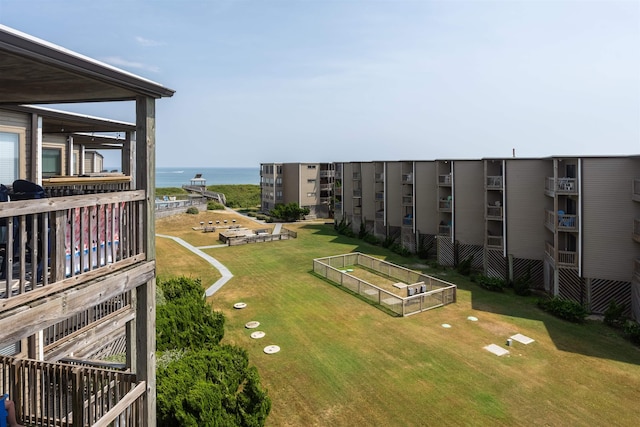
(344, 363)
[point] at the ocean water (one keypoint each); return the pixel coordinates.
(177, 177)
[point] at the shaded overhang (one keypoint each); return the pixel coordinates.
(33, 71)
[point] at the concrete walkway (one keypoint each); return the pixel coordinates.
(224, 271)
(277, 227)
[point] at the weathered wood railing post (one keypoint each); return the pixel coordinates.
(77, 390)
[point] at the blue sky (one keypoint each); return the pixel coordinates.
(357, 80)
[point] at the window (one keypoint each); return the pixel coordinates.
(311, 194)
(311, 181)
(9, 157)
(311, 166)
(51, 162)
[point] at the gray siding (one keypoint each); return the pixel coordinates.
(368, 191)
(468, 202)
(525, 205)
(607, 218)
(426, 189)
(393, 191)
(22, 121)
(290, 183)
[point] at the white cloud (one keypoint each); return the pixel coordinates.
(117, 61)
(147, 42)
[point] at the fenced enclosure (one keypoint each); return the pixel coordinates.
(424, 292)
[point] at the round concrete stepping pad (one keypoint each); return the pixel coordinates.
(257, 334)
(240, 305)
(251, 325)
(446, 325)
(270, 349)
(472, 318)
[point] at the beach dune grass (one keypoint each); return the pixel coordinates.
(344, 363)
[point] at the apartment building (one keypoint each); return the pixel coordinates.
(310, 185)
(77, 280)
(563, 221)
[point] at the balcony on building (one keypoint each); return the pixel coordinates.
(357, 176)
(636, 268)
(494, 182)
(566, 258)
(495, 211)
(560, 186)
(357, 193)
(560, 221)
(407, 220)
(357, 210)
(407, 178)
(636, 230)
(494, 241)
(407, 200)
(444, 180)
(380, 215)
(444, 204)
(379, 177)
(444, 229)
(636, 190)
(380, 195)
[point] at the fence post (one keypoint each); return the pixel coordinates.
(16, 393)
(77, 403)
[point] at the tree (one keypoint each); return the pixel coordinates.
(202, 383)
(289, 212)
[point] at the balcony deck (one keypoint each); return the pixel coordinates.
(560, 186)
(66, 395)
(92, 251)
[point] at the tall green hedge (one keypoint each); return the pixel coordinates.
(202, 382)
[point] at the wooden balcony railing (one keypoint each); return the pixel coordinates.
(636, 190)
(444, 230)
(636, 230)
(49, 240)
(84, 319)
(494, 241)
(379, 195)
(357, 210)
(564, 259)
(444, 179)
(379, 177)
(494, 182)
(407, 200)
(357, 193)
(60, 394)
(561, 185)
(494, 212)
(74, 185)
(327, 173)
(356, 176)
(567, 222)
(550, 219)
(444, 205)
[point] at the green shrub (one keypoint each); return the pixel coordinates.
(464, 267)
(424, 249)
(494, 284)
(371, 239)
(251, 214)
(564, 309)
(631, 330)
(400, 250)
(193, 210)
(522, 285)
(388, 242)
(363, 231)
(214, 206)
(613, 315)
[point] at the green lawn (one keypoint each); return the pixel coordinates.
(345, 362)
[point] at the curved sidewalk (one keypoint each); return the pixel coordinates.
(224, 271)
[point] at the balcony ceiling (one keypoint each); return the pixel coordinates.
(33, 71)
